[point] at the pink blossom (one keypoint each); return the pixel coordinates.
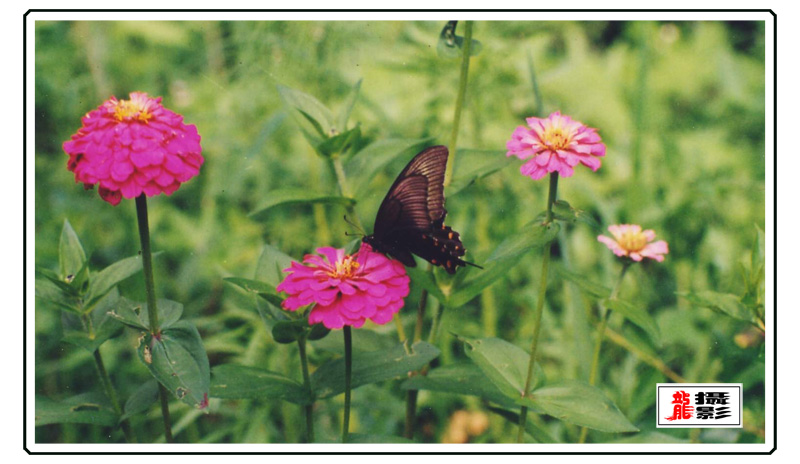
(130, 147)
(631, 241)
(346, 289)
(556, 143)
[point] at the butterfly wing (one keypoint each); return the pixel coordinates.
(411, 216)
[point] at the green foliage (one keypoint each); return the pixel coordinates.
(88, 408)
(241, 382)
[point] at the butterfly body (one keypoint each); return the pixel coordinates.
(411, 217)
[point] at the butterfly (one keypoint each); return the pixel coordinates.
(410, 219)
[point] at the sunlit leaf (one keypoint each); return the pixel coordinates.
(580, 404)
(103, 281)
(504, 363)
(371, 367)
(242, 382)
(296, 196)
(724, 303)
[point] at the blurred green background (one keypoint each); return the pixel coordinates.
(679, 105)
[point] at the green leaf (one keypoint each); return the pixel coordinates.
(103, 281)
(371, 367)
(506, 256)
(108, 328)
(339, 143)
(297, 196)
(564, 212)
(341, 121)
(451, 45)
(141, 400)
(365, 438)
(314, 118)
(473, 165)
(71, 257)
(364, 341)
(88, 408)
(505, 364)
(48, 290)
(290, 331)
(580, 404)
(262, 289)
(134, 314)
(178, 360)
(540, 234)
(594, 289)
(638, 316)
(271, 264)
(423, 278)
(241, 382)
(724, 303)
(539, 434)
(464, 378)
(363, 166)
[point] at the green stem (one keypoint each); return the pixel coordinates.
(523, 413)
(348, 373)
(344, 188)
(112, 395)
(462, 92)
(301, 345)
(152, 310)
(601, 332)
(411, 395)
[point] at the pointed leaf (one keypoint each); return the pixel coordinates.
(473, 165)
(594, 289)
(505, 364)
(103, 281)
(141, 399)
(134, 314)
(178, 360)
(242, 382)
(341, 121)
(539, 234)
(262, 289)
(71, 256)
(424, 279)
(49, 291)
(314, 118)
(371, 367)
(580, 404)
(564, 212)
(271, 264)
(340, 143)
(638, 316)
(363, 166)
(539, 434)
(108, 328)
(88, 408)
(296, 196)
(725, 303)
(464, 378)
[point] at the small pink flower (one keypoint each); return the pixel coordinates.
(629, 240)
(556, 143)
(130, 147)
(346, 289)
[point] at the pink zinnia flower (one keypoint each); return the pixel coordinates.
(631, 241)
(130, 147)
(556, 143)
(347, 289)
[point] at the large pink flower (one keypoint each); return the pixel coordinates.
(347, 289)
(130, 147)
(556, 143)
(631, 241)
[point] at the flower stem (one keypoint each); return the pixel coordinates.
(601, 332)
(462, 92)
(348, 373)
(344, 188)
(523, 413)
(152, 310)
(301, 345)
(112, 395)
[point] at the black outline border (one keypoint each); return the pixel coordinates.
(24, 220)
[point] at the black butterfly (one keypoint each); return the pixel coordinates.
(411, 217)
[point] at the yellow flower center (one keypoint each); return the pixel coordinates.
(129, 109)
(555, 138)
(632, 241)
(344, 268)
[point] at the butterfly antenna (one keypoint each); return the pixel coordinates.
(358, 228)
(473, 265)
